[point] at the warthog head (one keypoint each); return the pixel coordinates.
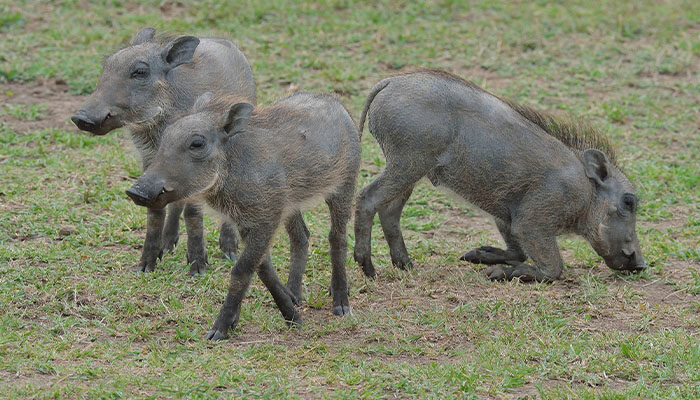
(612, 216)
(191, 154)
(132, 88)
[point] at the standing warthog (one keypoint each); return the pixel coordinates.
(539, 176)
(258, 169)
(148, 84)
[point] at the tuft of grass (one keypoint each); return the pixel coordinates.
(24, 112)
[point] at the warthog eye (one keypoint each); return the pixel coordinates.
(629, 202)
(197, 143)
(139, 73)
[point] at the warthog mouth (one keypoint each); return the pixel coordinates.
(151, 119)
(626, 263)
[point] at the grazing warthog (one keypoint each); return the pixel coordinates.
(148, 84)
(259, 169)
(539, 176)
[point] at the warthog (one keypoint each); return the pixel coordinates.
(537, 175)
(258, 169)
(148, 84)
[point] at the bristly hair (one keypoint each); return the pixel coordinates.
(574, 132)
(161, 39)
(221, 102)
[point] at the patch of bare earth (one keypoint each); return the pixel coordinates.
(54, 94)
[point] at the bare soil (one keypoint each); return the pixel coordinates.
(54, 94)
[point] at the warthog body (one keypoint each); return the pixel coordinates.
(538, 176)
(148, 84)
(259, 170)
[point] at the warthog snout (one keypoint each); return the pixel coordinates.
(82, 121)
(149, 191)
(97, 123)
(628, 260)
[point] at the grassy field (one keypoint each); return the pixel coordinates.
(77, 322)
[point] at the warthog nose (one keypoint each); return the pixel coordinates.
(83, 122)
(138, 197)
(640, 267)
(634, 263)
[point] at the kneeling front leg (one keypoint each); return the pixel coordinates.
(544, 252)
(488, 255)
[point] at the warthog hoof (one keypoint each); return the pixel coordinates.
(497, 273)
(149, 260)
(342, 310)
(198, 263)
(341, 304)
(366, 264)
(295, 299)
(216, 334)
(523, 272)
(229, 256)
(294, 321)
(404, 265)
(170, 241)
(295, 293)
(198, 267)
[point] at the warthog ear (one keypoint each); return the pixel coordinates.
(237, 118)
(144, 35)
(201, 101)
(596, 165)
(180, 51)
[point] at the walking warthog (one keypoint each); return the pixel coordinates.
(539, 176)
(258, 169)
(152, 82)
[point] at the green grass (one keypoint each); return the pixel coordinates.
(78, 323)
(23, 112)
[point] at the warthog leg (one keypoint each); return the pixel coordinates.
(299, 251)
(241, 274)
(171, 230)
(284, 298)
(340, 207)
(228, 240)
(152, 249)
(390, 218)
(196, 247)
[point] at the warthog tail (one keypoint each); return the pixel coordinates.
(376, 89)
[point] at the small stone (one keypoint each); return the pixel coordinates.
(67, 230)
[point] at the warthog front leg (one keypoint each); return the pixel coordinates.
(256, 245)
(283, 297)
(171, 231)
(196, 248)
(228, 240)
(152, 248)
(488, 255)
(542, 248)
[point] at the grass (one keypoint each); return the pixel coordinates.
(80, 324)
(24, 112)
